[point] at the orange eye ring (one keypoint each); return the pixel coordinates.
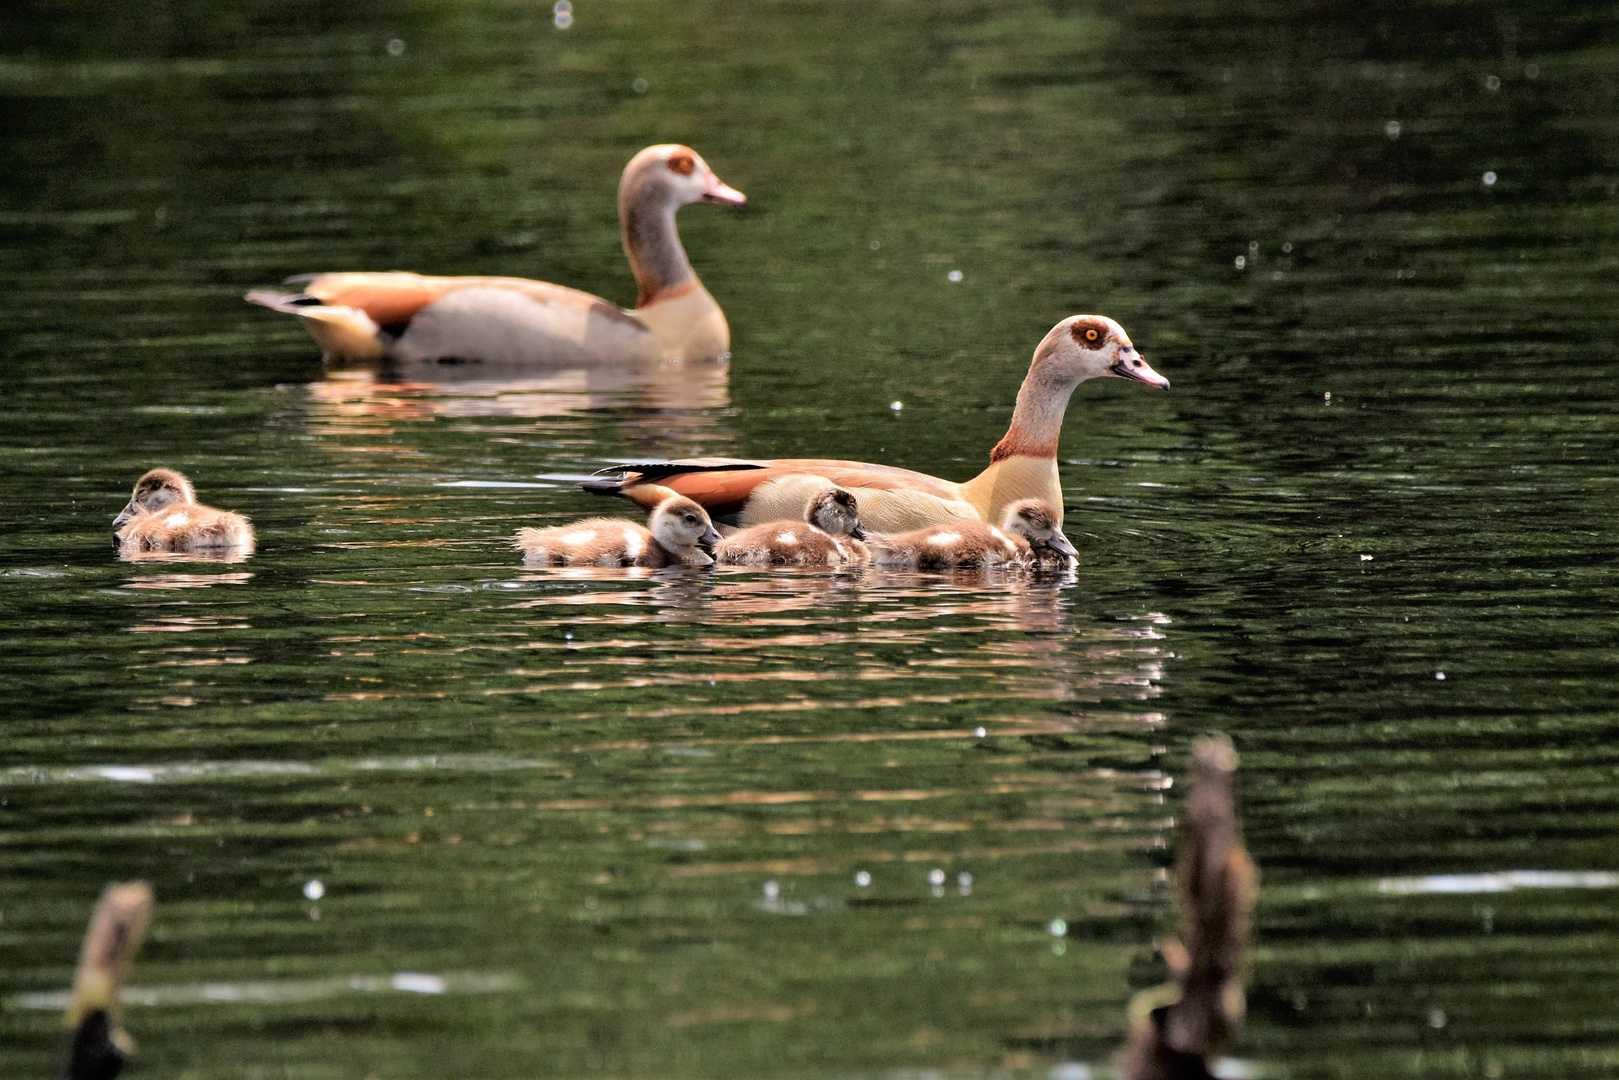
(1091, 334)
(682, 164)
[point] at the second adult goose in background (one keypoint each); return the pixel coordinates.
(504, 320)
(1023, 465)
(1028, 536)
(830, 536)
(163, 515)
(678, 527)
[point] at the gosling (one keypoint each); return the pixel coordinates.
(163, 515)
(829, 535)
(678, 527)
(1028, 536)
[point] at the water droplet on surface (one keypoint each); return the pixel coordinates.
(862, 878)
(936, 876)
(1392, 129)
(1489, 179)
(396, 47)
(1058, 928)
(314, 889)
(954, 275)
(1492, 82)
(772, 890)
(639, 86)
(1241, 262)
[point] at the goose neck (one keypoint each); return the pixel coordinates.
(647, 216)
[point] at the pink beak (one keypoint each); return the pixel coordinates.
(718, 191)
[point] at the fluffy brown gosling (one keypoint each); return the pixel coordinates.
(1028, 532)
(830, 535)
(163, 515)
(677, 527)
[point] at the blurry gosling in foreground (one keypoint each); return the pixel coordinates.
(163, 515)
(1028, 536)
(829, 535)
(677, 527)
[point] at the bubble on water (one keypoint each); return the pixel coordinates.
(396, 47)
(1437, 1018)
(1287, 247)
(1327, 396)
(1253, 246)
(980, 732)
(954, 275)
(1241, 262)
(896, 405)
(1392, 129)
(936, 876)
(1365, 558)
(1439, 675)
(639, 86)
(1531, 71)
(562, 14)
(1058, 928)
(1492, 82)
(772, 890)
(1489, 179)
(875, 244)
(314, 889)
(862, 878)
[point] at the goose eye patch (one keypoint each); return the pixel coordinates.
(682, 164)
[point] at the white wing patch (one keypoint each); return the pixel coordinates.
(786, 539)
(633, 544)
(177, 521)
(944, 539)
(577, 538)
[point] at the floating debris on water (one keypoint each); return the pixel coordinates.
(862, 878)
(396, 47)
(1241, 262)
(314, 889)
(954, 275)
(980, 732)
(936, 876)
(1492, 82)
(562, 14)
(1365, 558)
(896, 405)
(639, 86)
(1058, 928)
(772, 890)
(1440, 675)
(1392, 129)
(1489, 179)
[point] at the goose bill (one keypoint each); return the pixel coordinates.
(1134, 367)
(717, 190)
(123, 517)
(1062, 544)
(709, 538)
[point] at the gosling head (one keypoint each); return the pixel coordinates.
(157, 489)
(1089, 347)
(679, 525)
(835, 512)
(1036, 522)
(680, 174)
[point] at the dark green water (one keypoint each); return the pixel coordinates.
(547, 810)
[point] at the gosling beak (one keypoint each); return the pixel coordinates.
(1130, 365)
(123, 517)
(718, 191)
(1062, 544)
(709, 538)
(858, 532)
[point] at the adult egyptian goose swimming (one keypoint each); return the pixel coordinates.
(678, 527)
(1028, 536)
(502, 320)
(1023, 465)
(163, 515)
(830, 535)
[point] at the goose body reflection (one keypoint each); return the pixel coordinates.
(830, 536)
(1027, 536)
(677, 530)
(1022, 466)
(503, 320)
(164, 517)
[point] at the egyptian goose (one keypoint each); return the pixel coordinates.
(1022, 466)
(163, 515)
(1028, 536)
(830, 535)
(678, 526)
(501, 320)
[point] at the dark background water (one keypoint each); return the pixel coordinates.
(548, 810)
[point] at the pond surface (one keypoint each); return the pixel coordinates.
(800, 825)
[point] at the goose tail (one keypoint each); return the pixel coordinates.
(343, 333)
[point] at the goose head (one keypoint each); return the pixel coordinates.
(679, 525)
(1036, 522)
(1089, 347)
(157, 489)
(835, 512)
(675, 175)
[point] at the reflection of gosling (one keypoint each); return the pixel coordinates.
(163, 515)
(1027, 536)
(678, 526)
(830, 535)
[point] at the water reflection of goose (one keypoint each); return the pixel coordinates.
(409, 317)
(1022, 466)
(164, 517)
